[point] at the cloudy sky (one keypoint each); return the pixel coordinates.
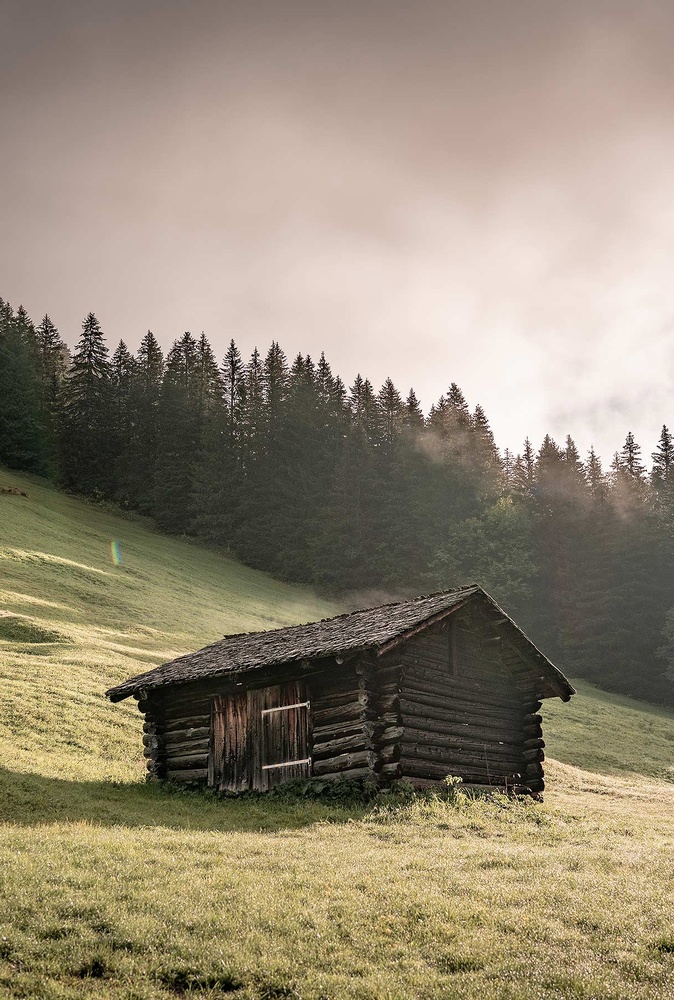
(444, 191)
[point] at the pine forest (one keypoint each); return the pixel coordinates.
(356, 490)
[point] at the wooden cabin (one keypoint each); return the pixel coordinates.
(438, 685)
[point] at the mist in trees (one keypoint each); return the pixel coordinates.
(353, 489)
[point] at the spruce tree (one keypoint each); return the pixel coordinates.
(524, 472)
(122, 368)
(208, 382)
(274, 381)
(85, 441)
(413, 417)
(23, 431)
(392, 412)
(663, 460)
(138, 455)
(232, 378)
(267, 485)
(595, 477)
(630, 458)
(252, 411)
(508, 466)
(247, 540)
(54, 364)
(180, 428)
(122, 371)
(573, 461)
(484, 454)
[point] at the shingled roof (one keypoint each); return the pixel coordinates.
(373, 629)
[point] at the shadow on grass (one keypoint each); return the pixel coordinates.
(32, 800)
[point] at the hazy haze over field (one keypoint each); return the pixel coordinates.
(480, 193)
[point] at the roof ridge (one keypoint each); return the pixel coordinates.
(348, 614)
(361, 628)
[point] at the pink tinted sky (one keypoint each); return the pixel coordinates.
(435, 191)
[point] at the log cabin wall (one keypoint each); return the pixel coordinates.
(388, 674)
(458, 698)
(177, 732)
(178, 729)
(468, 709)
(344, 714)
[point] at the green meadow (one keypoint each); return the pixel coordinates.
(113, 888)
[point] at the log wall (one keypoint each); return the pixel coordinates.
(177, 734)
(343, 722)
(468, 706)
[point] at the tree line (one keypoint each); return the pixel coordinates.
(354, 490)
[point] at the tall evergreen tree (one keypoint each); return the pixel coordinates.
(252, 415)
(54, 362)
(139, 451)
(392, 412)
(232, 379)
(663, 459)
(485, 457)
(180, 427)
(122, 371)
(364, 407)
(23, 431)
(524, 471)
(86, 447)
(508, 466)
(596, 479)
(630, 458)
(413, 416)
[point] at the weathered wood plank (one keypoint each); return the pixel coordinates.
(413, 714)
(198, 775)
(425, 769)
(453, 737)
(345, 762)
(342, 744)
(354, 773)
(343, 714)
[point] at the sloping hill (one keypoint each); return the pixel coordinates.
(112, 888)
(72, 623)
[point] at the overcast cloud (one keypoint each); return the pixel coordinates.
(471, 192)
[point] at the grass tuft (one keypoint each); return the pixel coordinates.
(93, 968)
(190, 980)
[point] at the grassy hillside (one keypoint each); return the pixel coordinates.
(114, 888)
(167, 597)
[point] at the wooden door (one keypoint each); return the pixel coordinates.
(229, 758)
(279, 730)
(260, 738)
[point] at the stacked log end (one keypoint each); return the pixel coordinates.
(533, 748)
(176, 736)
(345, 723)
(388, 678)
